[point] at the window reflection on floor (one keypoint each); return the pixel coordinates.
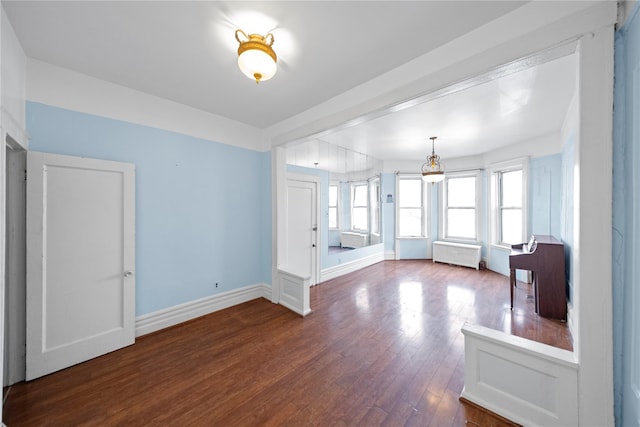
(362, 299)
(410, 296)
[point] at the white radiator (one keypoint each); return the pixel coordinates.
(457, 253)
(349, 239)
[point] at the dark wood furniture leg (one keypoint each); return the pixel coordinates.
(512, 284)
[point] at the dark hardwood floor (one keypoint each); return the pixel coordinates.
(382, 347)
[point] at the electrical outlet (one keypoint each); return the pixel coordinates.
(216, 284)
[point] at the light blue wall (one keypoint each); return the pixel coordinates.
(545, 195)
(203, 209)
(388, 188)
(626, 158)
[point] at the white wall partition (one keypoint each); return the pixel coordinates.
(527, 382)
(533, 28)
(294, 292)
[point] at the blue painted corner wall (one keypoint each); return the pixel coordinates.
(203, 208)
(625, 235)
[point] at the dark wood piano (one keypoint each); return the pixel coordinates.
(544, 257)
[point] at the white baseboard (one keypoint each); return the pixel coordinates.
(349, 267)
(171, 316)
(390, 255)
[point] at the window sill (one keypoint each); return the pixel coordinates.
(502, 247)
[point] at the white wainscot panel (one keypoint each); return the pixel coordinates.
(522, 380)
(294, 292)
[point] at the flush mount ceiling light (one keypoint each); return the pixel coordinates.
(432, 170)
(256, 57)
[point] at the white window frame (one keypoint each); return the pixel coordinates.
(442, 225)
(495, 172)
(337, 206)
(426, 205)
(352, 206)
(373, 183)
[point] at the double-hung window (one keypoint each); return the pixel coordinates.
(508, 199)
(510, 222)
(374, 202)
(359, 206)
(461, 204)
(411, 214)
(334, 219)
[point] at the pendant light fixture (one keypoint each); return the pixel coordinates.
(432, 170)
(256, 57)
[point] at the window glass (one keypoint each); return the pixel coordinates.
(374, 192)
(410, 193)
(359, 208)
(411, 209)
(410, 222)
(512, 188)
(460, 210)
(360, 195)
(461, 223)
(461, 192)
(510, 220)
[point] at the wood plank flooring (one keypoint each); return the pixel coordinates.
(382, 347)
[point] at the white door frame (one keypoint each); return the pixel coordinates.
(15, 286)
(279, 218)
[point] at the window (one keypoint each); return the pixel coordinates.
(510, 207)
(359, 207)
(411, 207)
(334, 221)
(508, 202)
(374, 202)
(461, 206)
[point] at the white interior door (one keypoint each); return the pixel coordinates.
(80, 260)
(302, 225)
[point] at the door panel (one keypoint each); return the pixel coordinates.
(80, 244)
(301, 228)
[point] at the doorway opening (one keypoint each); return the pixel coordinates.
(15, 264)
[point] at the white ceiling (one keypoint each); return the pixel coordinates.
(520, 106)
(185, 51)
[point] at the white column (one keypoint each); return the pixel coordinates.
(593, 342)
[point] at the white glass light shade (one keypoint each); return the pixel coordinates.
(433, 176)
(257, 65)
(256, 57)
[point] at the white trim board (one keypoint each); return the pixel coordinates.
(350, 267)
(157, 320)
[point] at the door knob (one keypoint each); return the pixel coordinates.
(128, 273)
(313, 245)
